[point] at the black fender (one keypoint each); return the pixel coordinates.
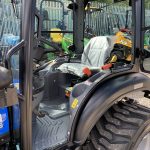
(104, 97)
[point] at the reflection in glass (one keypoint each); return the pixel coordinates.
(146, 64)
(147, 13)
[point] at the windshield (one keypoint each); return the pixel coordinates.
(146, 36)
(10, 33)
(147, 26)
(147, 13)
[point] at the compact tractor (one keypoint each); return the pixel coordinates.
(95, 99)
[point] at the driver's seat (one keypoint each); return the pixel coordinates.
(94, 56)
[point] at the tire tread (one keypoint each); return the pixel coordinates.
(117, 127)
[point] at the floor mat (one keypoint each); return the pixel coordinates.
(48, 132)
(55, 101)
(55, 109)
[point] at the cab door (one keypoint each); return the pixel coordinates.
(145, 64)
(10, 36)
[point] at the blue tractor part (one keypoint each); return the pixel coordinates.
(5, 120)
(16, 113)
(16, 120)
(4, 126)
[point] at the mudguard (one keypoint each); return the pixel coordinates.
(104, 96)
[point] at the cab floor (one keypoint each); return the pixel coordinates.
(49, 132)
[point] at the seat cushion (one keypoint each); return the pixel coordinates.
(73, 68)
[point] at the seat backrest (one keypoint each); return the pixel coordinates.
(97, 51)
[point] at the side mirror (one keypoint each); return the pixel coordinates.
(5, 78)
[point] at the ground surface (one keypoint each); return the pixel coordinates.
(140, 99)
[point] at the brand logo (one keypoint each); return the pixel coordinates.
(2, 120)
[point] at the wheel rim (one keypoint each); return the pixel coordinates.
(145, 143)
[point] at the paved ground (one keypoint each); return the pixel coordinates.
(142, 101)
(139, 97)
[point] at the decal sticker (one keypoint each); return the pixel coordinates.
(137, 86)
(2, 120)
(74, 103)
(88, 83)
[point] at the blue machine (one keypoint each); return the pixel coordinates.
(10, 40)
(4, 123)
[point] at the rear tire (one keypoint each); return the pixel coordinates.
(122, 127)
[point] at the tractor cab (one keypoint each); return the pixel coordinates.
(59, 84)
(55, 80)
(69, 75)
(72, 67)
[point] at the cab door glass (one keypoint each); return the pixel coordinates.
(146, 62)
(10, 34)
(147, 13)
(146, 51)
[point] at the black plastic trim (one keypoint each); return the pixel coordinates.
(106, 95)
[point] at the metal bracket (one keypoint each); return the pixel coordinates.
(8, 97)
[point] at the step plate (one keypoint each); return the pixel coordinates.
(49, 133)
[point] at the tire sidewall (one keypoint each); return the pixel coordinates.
(141, 133)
